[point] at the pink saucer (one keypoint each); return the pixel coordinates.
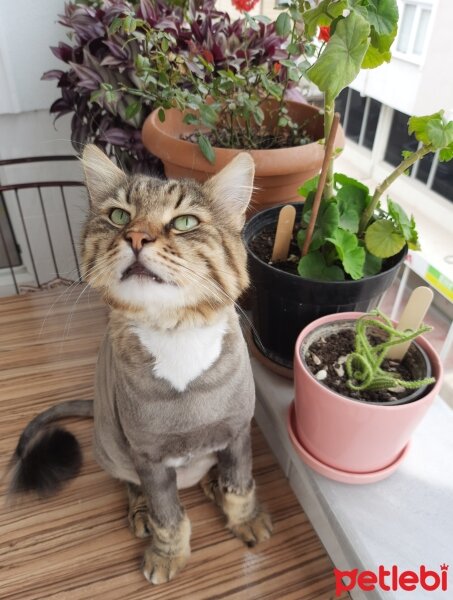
(336, 474)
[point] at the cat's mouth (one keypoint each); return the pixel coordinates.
(139, 270)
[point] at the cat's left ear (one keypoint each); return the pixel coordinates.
(231, 189)
(101, 175)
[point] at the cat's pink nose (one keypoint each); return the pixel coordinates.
(137, 239)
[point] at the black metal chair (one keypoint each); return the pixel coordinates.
(11, 253)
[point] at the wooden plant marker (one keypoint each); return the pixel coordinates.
(284, 233)
(322, 182)
(411, 318)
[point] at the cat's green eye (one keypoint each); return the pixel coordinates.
(119, 216)
(185, 222)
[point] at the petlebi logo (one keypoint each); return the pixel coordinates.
(392, 579)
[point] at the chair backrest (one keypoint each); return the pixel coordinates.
(40, 221)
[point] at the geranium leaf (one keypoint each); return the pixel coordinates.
(372, 265)
(340, 62)
(351, 204)
(314, 266)
(446, 154)
(323, 14)
(382, 15)
(383, 239)
(309, 186)
(419, 126)
(350, 253)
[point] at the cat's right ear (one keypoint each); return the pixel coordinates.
(101, 175)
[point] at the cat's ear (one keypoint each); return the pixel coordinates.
(101, 175)
(231, 189)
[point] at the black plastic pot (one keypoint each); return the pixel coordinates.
(283, 304)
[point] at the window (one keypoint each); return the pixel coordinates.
(413, 29)
(399, 139)
(359, 116)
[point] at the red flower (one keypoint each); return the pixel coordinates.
(244, 5)
(324, 33)
(277, 68)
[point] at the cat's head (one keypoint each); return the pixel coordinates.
(151, 244)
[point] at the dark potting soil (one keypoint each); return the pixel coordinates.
(263, 244)
(329, 354)
(263, 141)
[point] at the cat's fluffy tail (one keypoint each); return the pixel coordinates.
(45, 458)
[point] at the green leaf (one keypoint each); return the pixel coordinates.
(208, 115)
(132, 110)
(161, 115)
(283, 25)
(350, 253)
(419, 127)
(351, 202)
(405, 225)
(328, 218)
(446, 154)
(340, 178)
(340, 62)
(310, 185)
(399, 217)
(317, 239)
(382, 15)
(323, 14)
(191, 119)
(440, 133)
(383, 239)
(372, 265)
(314, 266)
(206, 148)
(375, 58)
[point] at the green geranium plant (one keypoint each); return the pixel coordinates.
(353, 233)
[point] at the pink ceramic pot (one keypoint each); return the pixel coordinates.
(348, 435)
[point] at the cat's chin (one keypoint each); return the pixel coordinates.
(144, 291)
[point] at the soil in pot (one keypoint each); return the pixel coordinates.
(326, 357)
(263, 243)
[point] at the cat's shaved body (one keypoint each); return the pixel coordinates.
(174, 388)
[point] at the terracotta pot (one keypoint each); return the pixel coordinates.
(279, 173)
(350, 436)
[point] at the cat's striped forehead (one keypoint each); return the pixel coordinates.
(152, 196)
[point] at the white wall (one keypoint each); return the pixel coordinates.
(27, 29)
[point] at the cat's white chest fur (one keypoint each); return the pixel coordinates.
(182, 355)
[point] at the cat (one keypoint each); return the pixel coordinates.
(174, 391)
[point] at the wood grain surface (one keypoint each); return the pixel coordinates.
(77, 546)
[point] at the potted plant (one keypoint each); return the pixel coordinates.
(211, 114)
(346, 253)
(355, 409)
(107, 53)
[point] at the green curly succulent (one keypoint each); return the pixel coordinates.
(363, 366)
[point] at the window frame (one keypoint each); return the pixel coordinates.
(410, 56)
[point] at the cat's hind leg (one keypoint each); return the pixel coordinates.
(138, 514)
(210, 486)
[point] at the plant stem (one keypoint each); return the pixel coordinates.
(329, 111)
(380, 189)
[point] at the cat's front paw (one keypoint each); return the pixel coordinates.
(160, 568)
(255, 530)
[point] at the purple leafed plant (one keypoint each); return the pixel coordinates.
(99, 63)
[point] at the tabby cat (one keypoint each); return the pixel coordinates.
(174, 393)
